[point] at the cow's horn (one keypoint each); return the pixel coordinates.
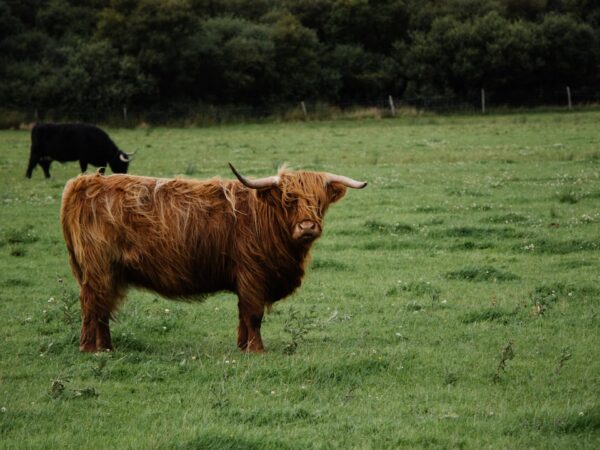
(256, 184)
(130, 155)
(124, 157)
(346, 181)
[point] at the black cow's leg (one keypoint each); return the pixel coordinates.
(83, 165)
(33, 160)
(46, 166)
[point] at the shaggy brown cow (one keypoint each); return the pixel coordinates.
(185, 238)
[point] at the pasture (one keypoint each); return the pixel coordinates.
(453, 303)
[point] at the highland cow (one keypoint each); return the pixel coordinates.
(188, 238)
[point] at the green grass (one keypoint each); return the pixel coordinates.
(453, 303)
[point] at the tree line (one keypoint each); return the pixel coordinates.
(81, 54)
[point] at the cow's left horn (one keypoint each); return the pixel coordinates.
(123, 157)
(346, 181)
(260, 183)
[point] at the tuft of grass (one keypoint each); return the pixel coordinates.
(565, 355)
(15, 282)
(395, 228)
(489, 315)
(472, 245)
(483, 273)
(190, 169)
(18, 251)
(24, 235)
(422, 289)
(545, 296)
(474, 232)
(328, 264)
(60, 391)
(584, 422)
(569, 197)
(562, 247)
(506, 355)
(506, 218)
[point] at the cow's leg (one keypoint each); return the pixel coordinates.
(83, 165)
(95, 326)
(103, 340)
(242, 339)
(89, 320)
(33, 160)
(249, 338)
(46, 166)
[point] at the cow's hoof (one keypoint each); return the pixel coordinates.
(88, 348)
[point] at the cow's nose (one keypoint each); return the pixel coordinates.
(307, 225)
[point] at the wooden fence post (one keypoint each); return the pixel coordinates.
(569, 97)
(303, 106)
(392, 107)
(482, 101)
(124, 113)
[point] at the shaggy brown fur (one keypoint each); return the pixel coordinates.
(184, 238)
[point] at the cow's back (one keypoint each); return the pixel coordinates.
(165, 235)
(72, 141)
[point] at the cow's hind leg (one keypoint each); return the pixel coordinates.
(95, 315)
(46, 167)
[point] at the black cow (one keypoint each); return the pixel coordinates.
(85, 143)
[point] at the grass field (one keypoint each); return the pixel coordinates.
(453, 303)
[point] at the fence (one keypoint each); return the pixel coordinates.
(482, 101)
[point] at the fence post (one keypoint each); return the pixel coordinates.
(124, 113)
(303, 106)
(35, 114)
(392, 107)
(569, 97)
(482, 101)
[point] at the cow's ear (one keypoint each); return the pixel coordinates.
(335, 191)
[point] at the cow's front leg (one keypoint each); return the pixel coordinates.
(95, 322)
(83, 165)
(249, 338)
(33, 160)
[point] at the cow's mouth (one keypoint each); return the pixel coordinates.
(309, 237)
(306, 231)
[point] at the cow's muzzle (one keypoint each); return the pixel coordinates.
(306, 231)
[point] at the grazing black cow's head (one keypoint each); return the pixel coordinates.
(120, 162)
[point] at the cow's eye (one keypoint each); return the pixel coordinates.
(292, 202)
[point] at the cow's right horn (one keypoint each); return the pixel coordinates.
(124, 157)
(260, 183)
(346, 181)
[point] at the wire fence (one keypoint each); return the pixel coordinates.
(482, 101)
